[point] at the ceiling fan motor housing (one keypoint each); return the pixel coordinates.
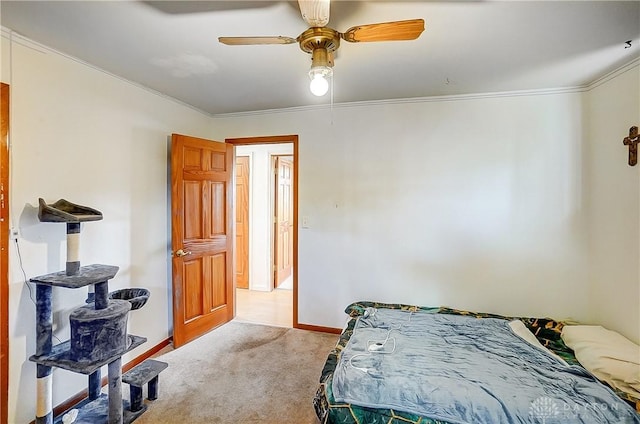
(319, 38)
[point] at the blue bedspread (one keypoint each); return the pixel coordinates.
(466, 370)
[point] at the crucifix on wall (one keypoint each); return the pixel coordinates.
(632, 142)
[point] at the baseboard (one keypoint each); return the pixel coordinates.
(69, 403)
(320, 329)
(146, 355)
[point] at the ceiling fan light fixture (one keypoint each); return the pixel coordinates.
(320, 71)
(319, 84)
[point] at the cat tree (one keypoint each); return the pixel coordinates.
(98, 329)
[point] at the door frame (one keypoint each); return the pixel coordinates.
(4, 254)
(283, 139)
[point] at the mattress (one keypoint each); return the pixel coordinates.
(328, 410)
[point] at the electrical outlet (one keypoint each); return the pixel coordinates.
(14, 234)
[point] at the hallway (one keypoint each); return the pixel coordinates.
(261, 307)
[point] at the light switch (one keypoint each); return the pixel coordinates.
(305, 221)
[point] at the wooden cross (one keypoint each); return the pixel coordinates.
(632, 142)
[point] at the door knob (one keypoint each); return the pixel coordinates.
(180, 253)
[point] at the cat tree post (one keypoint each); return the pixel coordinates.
(73, 248)
(73, 268)
(44, 323)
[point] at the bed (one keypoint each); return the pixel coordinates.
(373, 375)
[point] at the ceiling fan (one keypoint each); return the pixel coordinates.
(321, 41)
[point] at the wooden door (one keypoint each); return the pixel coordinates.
(284, 219)
(4, 256)
(242, 222)
(201, 235)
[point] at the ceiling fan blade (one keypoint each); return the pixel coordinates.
(386, 31)
(247, 41)
(315, 12)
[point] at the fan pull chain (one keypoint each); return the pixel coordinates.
(333, 80)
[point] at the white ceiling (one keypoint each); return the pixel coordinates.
(468, 47)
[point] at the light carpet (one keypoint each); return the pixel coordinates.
(242, 373)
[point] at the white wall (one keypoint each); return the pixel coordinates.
(261, 210)
(475, 203)
(515, 205)
(614, 204)
(85, 136)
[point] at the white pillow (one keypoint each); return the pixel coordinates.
(521, 330)
(606, 354)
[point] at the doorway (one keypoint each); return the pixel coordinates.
(266, 219)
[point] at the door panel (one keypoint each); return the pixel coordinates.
(192, 208)
(202, 235)
(192, 272)
(219, 218)
(219, 294)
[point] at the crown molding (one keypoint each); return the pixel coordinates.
(409, 100)
(448, 98)
(15, 37)
(615, 73)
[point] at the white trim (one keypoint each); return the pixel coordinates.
(27, 42)
(616, 72)
(454, 97)
(12, 35)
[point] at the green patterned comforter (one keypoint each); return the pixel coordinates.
(547, 331)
